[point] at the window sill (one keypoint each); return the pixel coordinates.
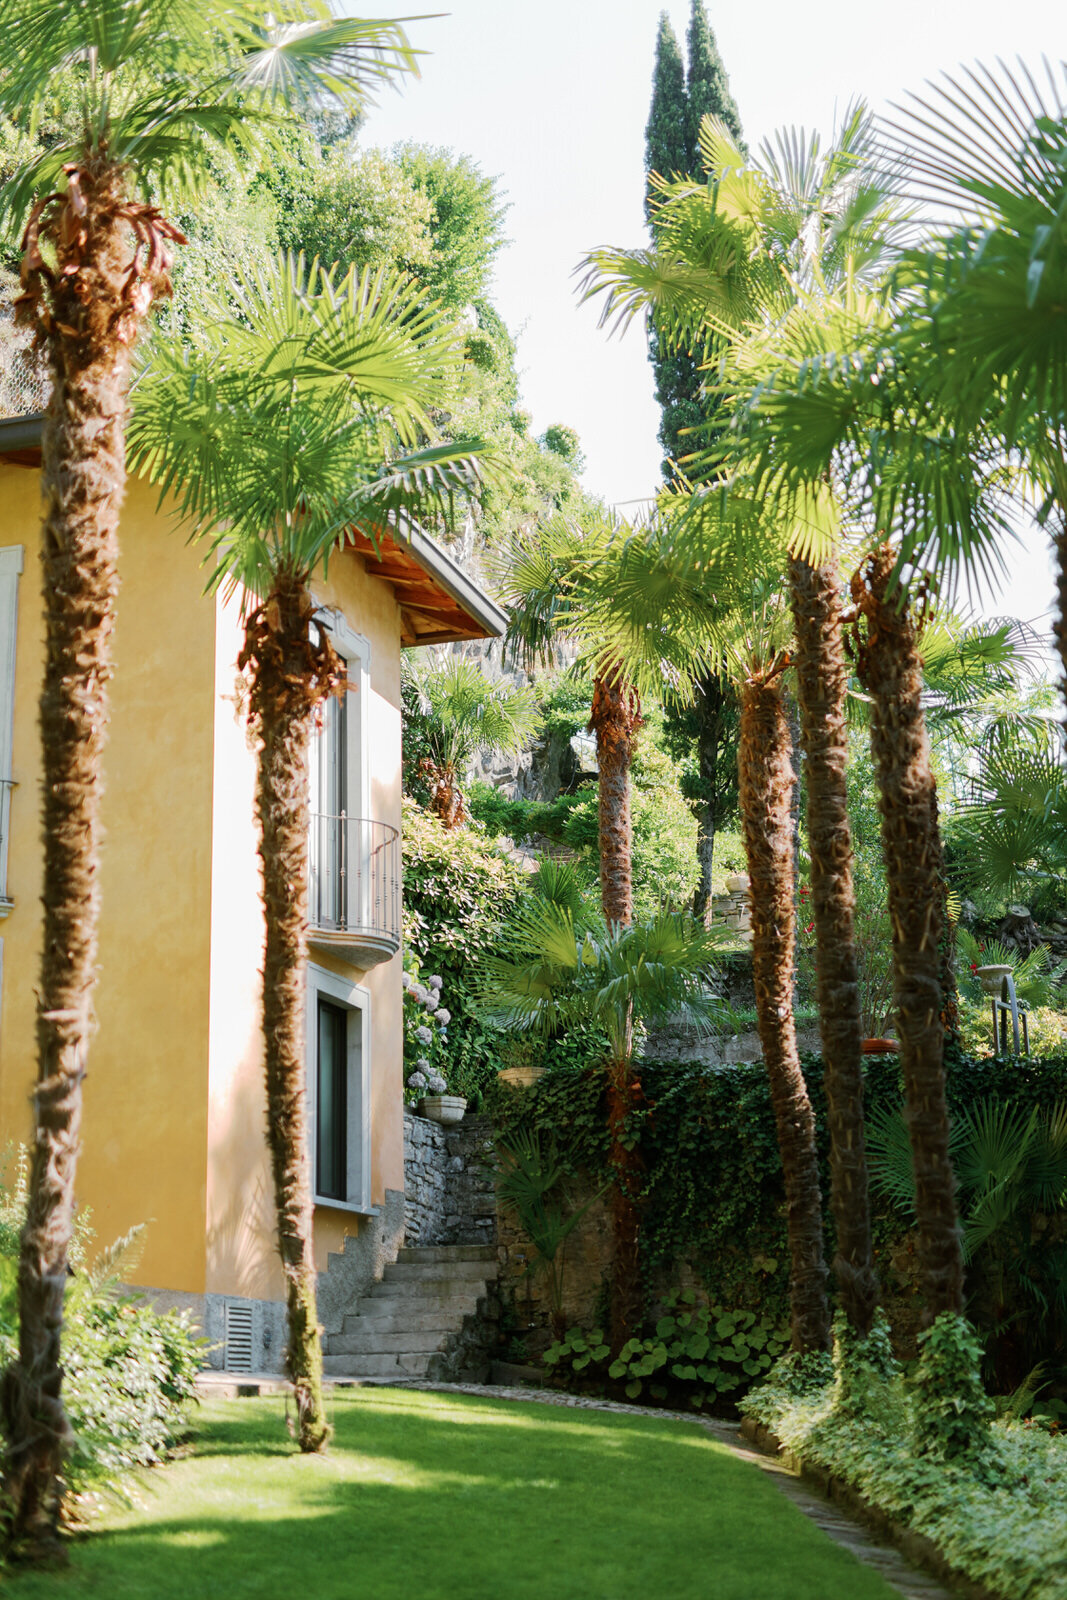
(354, 1206)
(6, 906)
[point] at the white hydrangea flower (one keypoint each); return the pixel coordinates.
(438, 1084)
(422, 1064)
(418, 1080)
(424, 1035)
(443, 1017)
(436, 982)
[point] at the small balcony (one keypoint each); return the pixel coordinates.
(354, 888)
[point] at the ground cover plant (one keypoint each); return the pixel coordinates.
(447, 1495)
(990, 1497)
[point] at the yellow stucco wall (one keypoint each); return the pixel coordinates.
(175, 1108)
(145, 1119)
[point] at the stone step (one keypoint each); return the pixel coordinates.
(393, 1320)
(386, 1366)
(375, 1343)
(436, 1271)
(432, 1253)
(449, 1288)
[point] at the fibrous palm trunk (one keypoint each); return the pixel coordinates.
(766, 782)
(709, 712)
(291, 672)
(614, 717)
(85, 311)
(822, 684)
(890, 669)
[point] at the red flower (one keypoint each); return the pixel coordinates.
(809, 927)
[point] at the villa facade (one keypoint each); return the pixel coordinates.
(175, 1114)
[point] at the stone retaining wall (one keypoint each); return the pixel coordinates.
(448, 1186)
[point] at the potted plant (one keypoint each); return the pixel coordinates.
(425, 1045)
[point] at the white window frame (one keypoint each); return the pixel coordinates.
(355, 999)
(355, 648)
(12, 559)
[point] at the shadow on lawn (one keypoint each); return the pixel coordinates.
(442, 1500)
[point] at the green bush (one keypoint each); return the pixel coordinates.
(129, 1370)
(458, 891)
(995, 1512)
(699, 1355)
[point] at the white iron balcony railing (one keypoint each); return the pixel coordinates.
(354, 888)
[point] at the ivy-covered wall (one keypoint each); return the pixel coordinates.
(713, 1206)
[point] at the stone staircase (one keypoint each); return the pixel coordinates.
(412, 1322)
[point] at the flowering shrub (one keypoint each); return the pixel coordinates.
(425, 1033)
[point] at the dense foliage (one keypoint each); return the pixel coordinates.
(713, 1197)
(995, 1515)
(129, 1370)
(700, 1355)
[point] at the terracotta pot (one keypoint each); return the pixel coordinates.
(444, 1108)
(880, 1047)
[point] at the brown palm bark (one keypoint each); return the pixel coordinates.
(614, 718)
(766, 789)
(709, 714)
(822, 686)
(85, 309)
(890, 669)
(291, 672)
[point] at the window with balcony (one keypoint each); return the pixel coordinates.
(354, 861)
(338, 1090)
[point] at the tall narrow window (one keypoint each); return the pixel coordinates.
(329, 801)
(331, 1101)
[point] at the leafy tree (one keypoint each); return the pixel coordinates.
(157, 85)
(304, 418)
(466, 221)
(462, 713)
(360, 209)
(558, 972)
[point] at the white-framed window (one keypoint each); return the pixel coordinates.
(11, 564)
(339, 783)
(338, 1090)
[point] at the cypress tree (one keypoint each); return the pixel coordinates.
(666, 132)
(707, 88)
(672, 145)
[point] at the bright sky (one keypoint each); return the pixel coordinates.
(552, 97)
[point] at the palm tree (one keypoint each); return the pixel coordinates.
(748, 262)
(987, 331)
(287, 427)
(587, 585)
(462, 714)
(561, 972)
(157, 85)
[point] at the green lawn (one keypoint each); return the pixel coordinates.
(452, 1497)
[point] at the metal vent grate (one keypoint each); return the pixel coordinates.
(238, 1337)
